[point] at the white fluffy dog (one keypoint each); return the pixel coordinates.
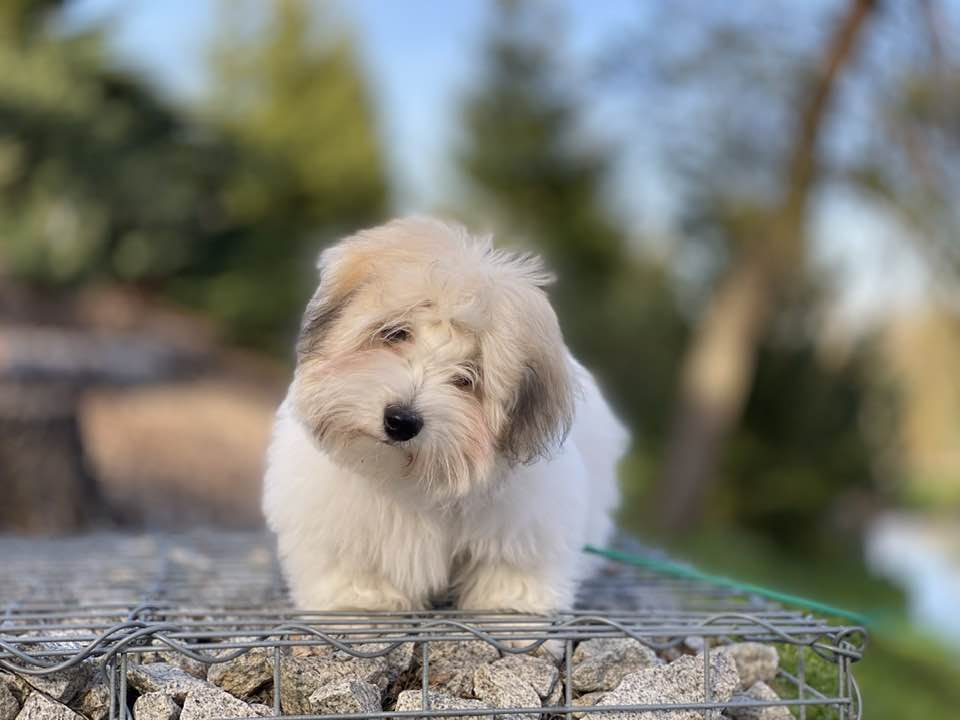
(437, 437)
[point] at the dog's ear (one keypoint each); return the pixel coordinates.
(342, 269)
(540, 411)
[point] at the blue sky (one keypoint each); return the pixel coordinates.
(419, 56)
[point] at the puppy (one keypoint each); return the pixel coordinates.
(438, 439)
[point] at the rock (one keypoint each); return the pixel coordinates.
(680, 682)
(64, 686)
(301, 677)
(16, 685)
(262, 710)
(178, 660)
(601, 664)
(205, 701)
(758, 692)
(555, 698)
(755, 661)
(502, 688)
(94, 700)
(245, 675)
(9, 704)
(162, 677)
(670, 654)
(552, 651)
(345, 696)
(453, 663)
(410, 700)
(589, 699)
(400, 659)
(155, 706)
(40, 707)
(540, 674)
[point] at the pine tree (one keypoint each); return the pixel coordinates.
(521, 155)
(295, 100)
(97, 176)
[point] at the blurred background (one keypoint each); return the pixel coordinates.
(753, 209)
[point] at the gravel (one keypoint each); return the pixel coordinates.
(601, 664)
(762, 692)
(755, 661)
(245, 675)
(177, 660)
(155, 706)
(162, 677)
(40, 707)
(410, 700)
(94, 700)
(64, 686)
(588, 700)
(302, 677)
(540, 674)
(465, 675)
(205, 702)
(400, 659)
(9, 705)
(501, 688)
(453, 663)
(345, 696)
(679, 682)
(15, 685)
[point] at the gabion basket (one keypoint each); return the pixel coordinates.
(200, 626)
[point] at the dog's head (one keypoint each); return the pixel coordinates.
(428, 357)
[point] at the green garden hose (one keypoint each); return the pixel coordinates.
(688, 572)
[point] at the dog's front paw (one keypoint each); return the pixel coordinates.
(346, 606)
(503, 587)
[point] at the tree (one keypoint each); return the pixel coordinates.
(102, 180)
(65, 115)
(719, 366)
(223, 213)
(909, 165)
(525, 168)
(294, 99)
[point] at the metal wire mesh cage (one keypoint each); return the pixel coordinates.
(200, 626)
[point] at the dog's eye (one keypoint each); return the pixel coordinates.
(394, 335)
(462, 381)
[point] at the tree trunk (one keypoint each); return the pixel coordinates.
(45, 487)
(719, 366)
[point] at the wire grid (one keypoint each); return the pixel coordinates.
(213, 597)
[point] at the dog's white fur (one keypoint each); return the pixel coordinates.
(513, 471)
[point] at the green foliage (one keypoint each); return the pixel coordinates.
(97, 176)
(818, 673)
(299, 102)
(798, 447)
(101, 179)
(800, 439)
(904, 673)
(310, 169)
(20, 19)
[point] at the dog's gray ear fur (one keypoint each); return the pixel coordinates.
(542, 411)
(338, 279)
(321, 312)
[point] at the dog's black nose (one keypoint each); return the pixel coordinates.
(401, 423)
